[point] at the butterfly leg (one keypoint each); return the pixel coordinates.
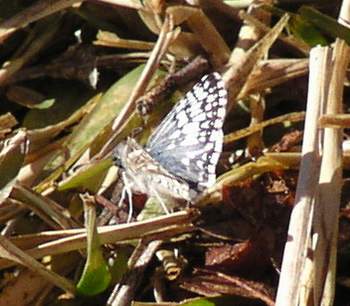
(126, 192)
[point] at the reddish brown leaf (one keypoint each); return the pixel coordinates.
(209, 283)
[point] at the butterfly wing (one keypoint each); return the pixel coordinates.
(189, 140)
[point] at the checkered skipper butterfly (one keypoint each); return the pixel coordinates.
(180, 157)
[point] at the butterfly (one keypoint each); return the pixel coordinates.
(180, 158)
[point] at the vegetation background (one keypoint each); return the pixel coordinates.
(78, 77)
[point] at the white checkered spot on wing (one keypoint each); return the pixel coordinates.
(189, 140)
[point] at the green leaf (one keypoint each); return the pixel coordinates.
(199, 302)
(306, 31)
(325, 23)
(88, 132)
(152, 209)
(120, 264)
(45, 104)
(82, 178)
(96, 276)
(67, 100)
(94, 123)
(212, 301)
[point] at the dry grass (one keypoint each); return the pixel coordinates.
(78, 77)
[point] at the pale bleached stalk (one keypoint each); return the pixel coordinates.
(327, 209)
(326, 224)
(308, 282)
(295, 252)
(75, 239)
(327, 214)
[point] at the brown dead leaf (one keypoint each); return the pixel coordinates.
(209, 283)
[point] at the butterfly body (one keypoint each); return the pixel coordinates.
(147, 176)
(180, 157)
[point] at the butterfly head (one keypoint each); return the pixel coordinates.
(119, 155)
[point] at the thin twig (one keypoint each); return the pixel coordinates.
(179, 78)
(291, 117)
(123, 293)
(335, 120)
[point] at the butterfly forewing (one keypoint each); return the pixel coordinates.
(188, 142)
